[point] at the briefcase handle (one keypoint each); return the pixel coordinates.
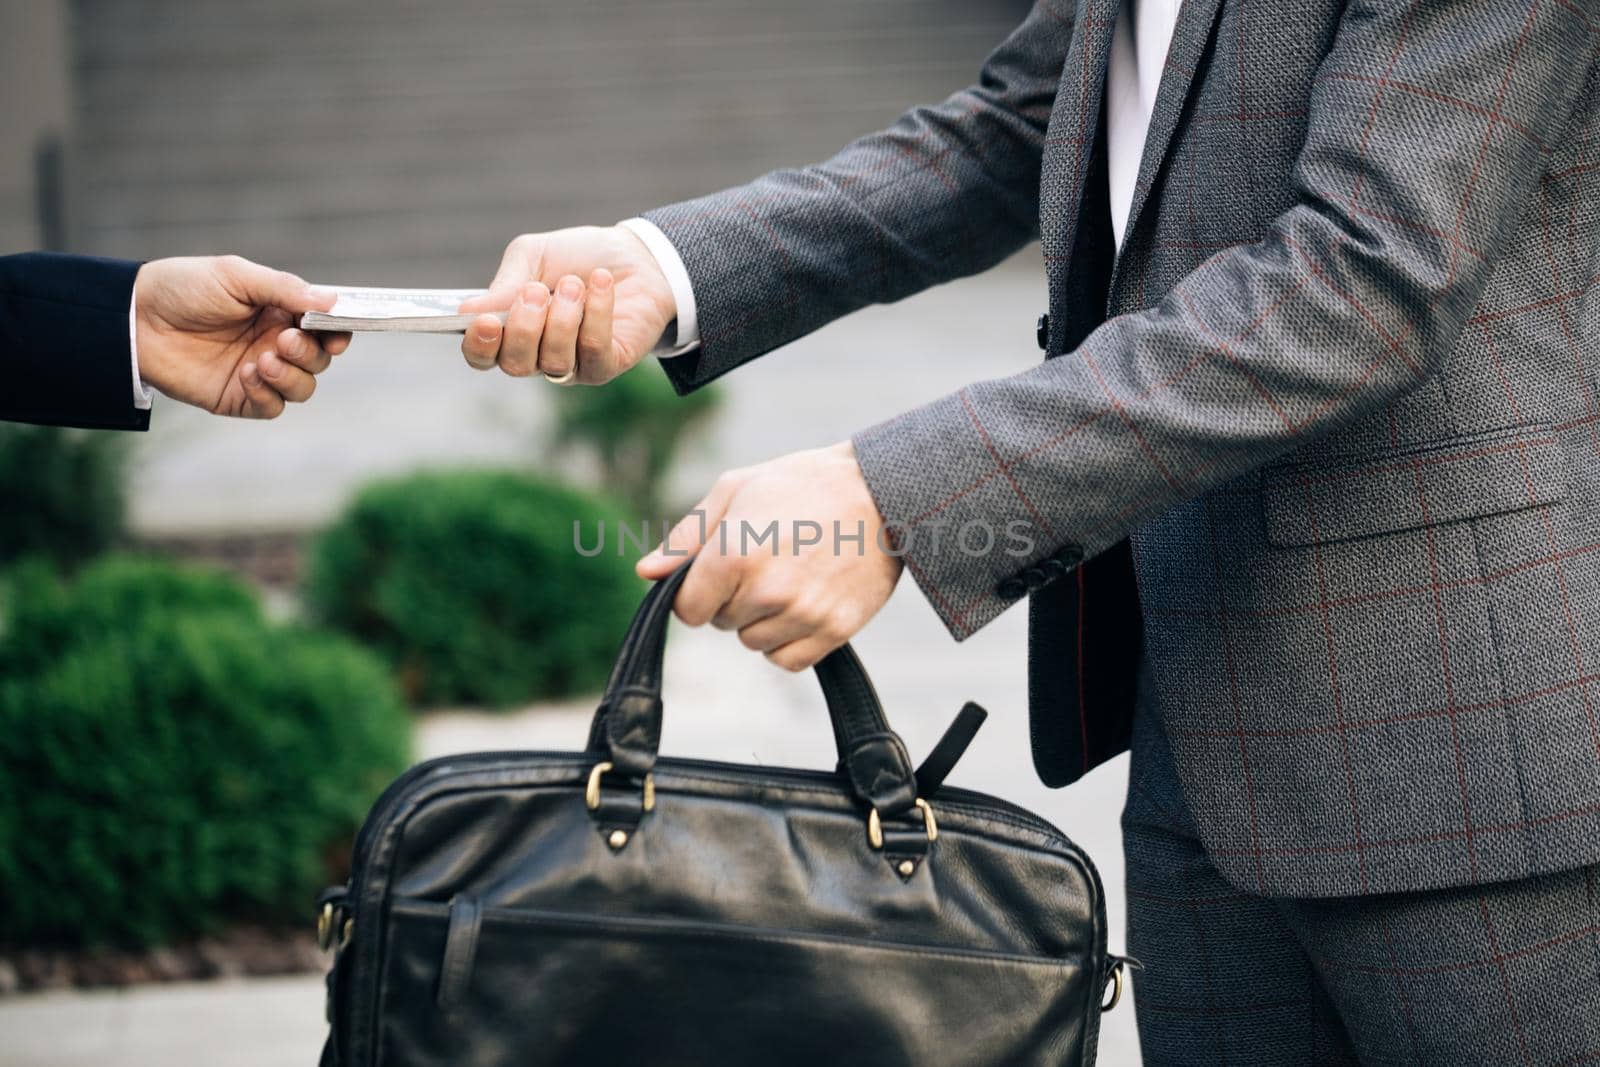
(627, 726)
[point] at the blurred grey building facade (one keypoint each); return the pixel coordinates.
(402, 142)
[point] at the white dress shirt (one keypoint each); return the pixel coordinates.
(1139, 45)
(142, 396)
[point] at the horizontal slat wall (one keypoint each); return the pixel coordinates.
(403, 142)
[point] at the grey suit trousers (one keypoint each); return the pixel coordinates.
(1506, 973)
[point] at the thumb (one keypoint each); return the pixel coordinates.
(265, 287)
(692, 531)
(516, 270)
(493, 300)
(681, 544)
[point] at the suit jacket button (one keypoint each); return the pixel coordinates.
(1011, 588)
(1053, 569)
(1034, 577)
(1071, 555)
(1042, 332)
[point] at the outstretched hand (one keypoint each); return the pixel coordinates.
(589, 302)
(218, 333)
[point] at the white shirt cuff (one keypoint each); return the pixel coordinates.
(142, 396)
(671, 264)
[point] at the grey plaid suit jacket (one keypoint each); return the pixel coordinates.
(1338, 392)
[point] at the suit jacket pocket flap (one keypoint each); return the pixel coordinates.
(1413, 486)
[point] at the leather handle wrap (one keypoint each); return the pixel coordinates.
(627, 725)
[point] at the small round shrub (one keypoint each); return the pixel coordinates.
(184, 764)
(62, 492)
(40, 615)
(471, 585)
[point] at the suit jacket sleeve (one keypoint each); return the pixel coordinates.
(947, 191)
(64, 356)
(1347, 302)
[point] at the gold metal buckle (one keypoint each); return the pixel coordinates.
(591, 792)
(875, 824)
(327, 930)
(1116, 987)
(325, 927)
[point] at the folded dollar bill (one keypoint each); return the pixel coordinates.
(393, 310)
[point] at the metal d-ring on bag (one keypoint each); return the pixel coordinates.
(614, 907)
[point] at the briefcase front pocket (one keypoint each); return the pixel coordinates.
(697, 993)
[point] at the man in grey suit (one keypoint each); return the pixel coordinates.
(1311, 469)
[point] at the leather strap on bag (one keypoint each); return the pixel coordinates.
(627, 725)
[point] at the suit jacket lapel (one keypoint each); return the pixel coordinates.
(1074, 122)
(1189, 39)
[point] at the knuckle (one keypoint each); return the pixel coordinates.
(768, 599)
(837, 627)
(514, 368)
(805, 609)
(518, 343)
(789, 661)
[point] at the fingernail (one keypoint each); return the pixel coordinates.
(569, 289)
(486, 335)
(601, 280)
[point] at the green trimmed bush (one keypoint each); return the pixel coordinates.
(170, 760)
(470, 584)
(635, 427)
(61, 492)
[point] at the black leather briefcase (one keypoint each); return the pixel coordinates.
(512, 909)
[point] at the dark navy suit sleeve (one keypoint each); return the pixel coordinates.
(64, 356)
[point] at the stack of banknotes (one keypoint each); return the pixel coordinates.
(369, 310)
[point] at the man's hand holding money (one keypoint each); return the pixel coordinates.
(218, 332)
(583, 304)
